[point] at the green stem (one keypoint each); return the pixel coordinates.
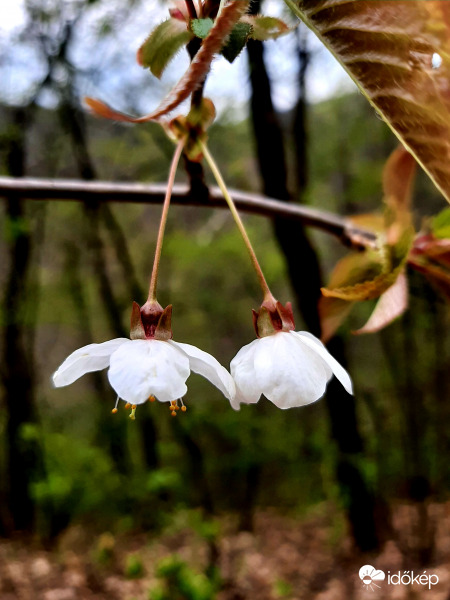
(223, 188)
(162, 224)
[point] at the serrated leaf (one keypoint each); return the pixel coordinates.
(366, 290)
(356, 267)
(440, 224)
(265, 28)
(193, 77)
(201, 27)
(236, 41)
(162, 45)
(391, 305)
(398, 53)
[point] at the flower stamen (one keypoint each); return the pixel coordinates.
(114, 410)
(151, 398)
(127, 406)
(174, 407)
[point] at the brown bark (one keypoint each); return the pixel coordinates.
(24, 461)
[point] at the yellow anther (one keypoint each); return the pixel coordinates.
(151, 398)
(173, 413)
(183, 408)
(114, 410)
(127, 406)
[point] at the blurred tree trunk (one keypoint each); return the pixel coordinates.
(24, 460)
(305, 277)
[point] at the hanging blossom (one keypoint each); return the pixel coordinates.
(291, 368)
(148, 366)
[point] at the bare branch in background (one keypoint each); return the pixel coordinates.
(153, 193)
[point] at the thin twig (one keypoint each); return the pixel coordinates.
(154, 193)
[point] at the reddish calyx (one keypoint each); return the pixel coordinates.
(151, 321)
(273, 317)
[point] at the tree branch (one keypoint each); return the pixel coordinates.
(153, 193)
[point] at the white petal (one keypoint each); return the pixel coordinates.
(288, 373)
(206, 365)
(316, 345)
(242, 370)
(93, 357)
(143, 368)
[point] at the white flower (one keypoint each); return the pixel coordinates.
(290, 368)
(141, 369)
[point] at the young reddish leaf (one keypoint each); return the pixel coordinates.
(398, 53)
(332, 312)
(194, 76)
(176, 13)
(398, 179)
(236, 42)
(201, 27)
(265, 28)
(162, 45)
(199, 67)
(371, 274)
(101, 109)
(392, 303)
(179, 10)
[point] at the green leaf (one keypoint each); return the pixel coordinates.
(440, 225)
(237, 40)
(201, 27)
(265, 28)
(162, 45)
(398, 54)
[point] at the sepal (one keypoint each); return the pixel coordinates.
(137, 331)
(151, 321)
(273, 317)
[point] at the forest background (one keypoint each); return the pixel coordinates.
(163, 502)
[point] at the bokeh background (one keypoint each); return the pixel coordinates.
(258, 504)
